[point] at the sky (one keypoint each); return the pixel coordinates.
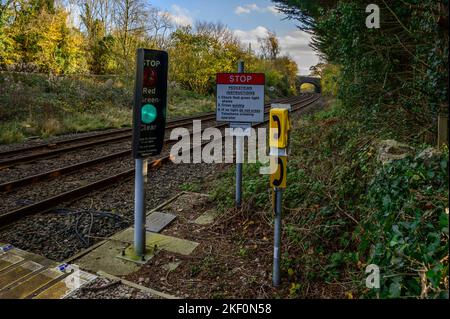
(248, 19)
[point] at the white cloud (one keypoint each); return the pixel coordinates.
(240, 10)
(251, 35)
(180, 16)
(295, 44)
(273, 10)
(248, 8)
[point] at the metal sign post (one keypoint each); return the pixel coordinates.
(277, 237)
(239, 155)
(240, 101)
(279, 125)
(149, 121)
(139, 208)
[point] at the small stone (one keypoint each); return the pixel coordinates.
(428, 154)
(389, 150)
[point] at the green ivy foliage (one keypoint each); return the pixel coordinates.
(403, 64)
(405, 229)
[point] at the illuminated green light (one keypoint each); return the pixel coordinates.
(148, 113)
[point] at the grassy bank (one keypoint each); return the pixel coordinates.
(344, 209)
(42, 105)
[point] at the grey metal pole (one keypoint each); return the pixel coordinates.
(239, 170)
(239, 155)
(145, 171)
(277, 238)
(139, 208)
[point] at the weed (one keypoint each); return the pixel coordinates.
(190, 187)
(342, 209)
(41, 105)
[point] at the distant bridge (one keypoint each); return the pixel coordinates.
(309, 79)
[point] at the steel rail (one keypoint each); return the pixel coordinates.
(177, 120)
(123, 134)
(51, 202)
(11, 185)
(94, 136)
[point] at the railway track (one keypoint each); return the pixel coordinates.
(16, 156)
(22, 170)
(78, 192)
(51, 149)
(21, 174)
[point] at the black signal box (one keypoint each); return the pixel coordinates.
(150, 102)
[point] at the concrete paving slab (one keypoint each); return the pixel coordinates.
(157, 221)
(163, 242)
(206, 218)
(171, 266)
(104, 258)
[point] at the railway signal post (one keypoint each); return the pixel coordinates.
(240, 101)
(279, 127)
(149, 121)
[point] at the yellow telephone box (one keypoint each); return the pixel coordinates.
(279, 126)
(278, 179)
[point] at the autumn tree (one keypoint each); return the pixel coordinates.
(158, 27)
(39, 35)
(36, 34)
(130, 18)
(7, 51)
(197, 57)
(269, 46)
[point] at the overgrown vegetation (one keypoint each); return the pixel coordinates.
(405, 226)
(403, 64)
(343, 210)
(39, 36)
(45, 105)
(41, 105)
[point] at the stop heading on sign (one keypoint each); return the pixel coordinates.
(240, 78)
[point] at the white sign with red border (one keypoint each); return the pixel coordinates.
(240, 97)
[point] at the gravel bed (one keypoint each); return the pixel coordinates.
(68, 158)
(60, 160)
(54, 234)
(32, 193)
(102, 288)
(39, 141)
(35, 192)
(60, 234)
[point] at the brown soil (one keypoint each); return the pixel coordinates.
(233, 259)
